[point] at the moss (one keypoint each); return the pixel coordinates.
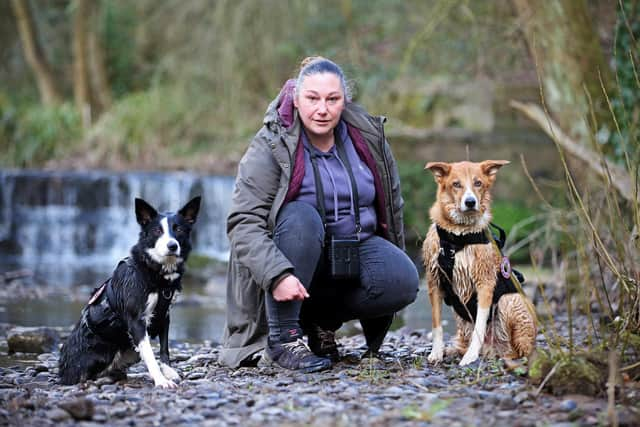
(539, 366)
(581, 374)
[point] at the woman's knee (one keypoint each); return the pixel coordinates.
(402, 284)
(299, 221)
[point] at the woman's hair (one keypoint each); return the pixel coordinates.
(318, 65)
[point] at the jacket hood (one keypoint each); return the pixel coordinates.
(281, 110)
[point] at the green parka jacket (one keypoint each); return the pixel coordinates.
(262, 182)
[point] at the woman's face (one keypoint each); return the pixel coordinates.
(320, 102)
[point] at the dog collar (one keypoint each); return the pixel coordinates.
(459, 241)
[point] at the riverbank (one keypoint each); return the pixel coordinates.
(401, 388)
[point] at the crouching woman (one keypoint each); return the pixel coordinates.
(315, 229)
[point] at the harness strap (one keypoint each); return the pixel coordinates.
(450, 244)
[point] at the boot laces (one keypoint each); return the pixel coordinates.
(297, 347)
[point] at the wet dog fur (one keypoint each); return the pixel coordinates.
(132, 306)
(462, 206)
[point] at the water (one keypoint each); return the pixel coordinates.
(196, 317)
(69, 230)
(69, 227)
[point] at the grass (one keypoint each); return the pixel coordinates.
(420, 413)
(594, 241)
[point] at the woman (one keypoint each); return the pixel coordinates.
(282, 220)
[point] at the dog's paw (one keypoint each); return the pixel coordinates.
(435, 358)
(469, 358)
(436, 355)
(169, 372)
(162, 382)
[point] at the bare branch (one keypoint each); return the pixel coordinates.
(617, 176)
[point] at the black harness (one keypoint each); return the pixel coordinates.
(450, 244)
(99, 314)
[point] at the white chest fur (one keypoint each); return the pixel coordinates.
(152, 300)
(462, 277)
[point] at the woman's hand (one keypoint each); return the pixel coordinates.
(289, 289)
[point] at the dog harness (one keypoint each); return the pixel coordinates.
(450, 244)
(102, 319)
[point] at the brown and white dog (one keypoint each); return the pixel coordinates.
(460, 217)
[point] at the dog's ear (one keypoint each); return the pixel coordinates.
(144, 212)
(490, 167)
(190, 211)
(439, 169)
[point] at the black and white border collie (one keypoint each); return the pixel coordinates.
(132, 306)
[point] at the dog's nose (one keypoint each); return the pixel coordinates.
(172, 246)
(470, 202)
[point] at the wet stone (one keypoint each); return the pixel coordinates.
(508, 403)
(521, 397)
(196, 375)
(396, 389)
(568, 405)
(80, 409)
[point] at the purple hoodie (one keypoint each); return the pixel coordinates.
(286, 112)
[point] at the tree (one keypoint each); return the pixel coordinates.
(81, 90)
(566, 49)
(90, 84)
(91, 90)
(33, 52)
(97, 65)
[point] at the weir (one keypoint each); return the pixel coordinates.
(67, 228)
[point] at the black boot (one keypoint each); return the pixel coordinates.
(294, 355)
(374, 331)
(322, 342)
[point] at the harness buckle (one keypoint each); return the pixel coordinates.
(167, 294)
(505, 267)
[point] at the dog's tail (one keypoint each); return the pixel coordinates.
(75, 363)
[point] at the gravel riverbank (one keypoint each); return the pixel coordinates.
(401, 388)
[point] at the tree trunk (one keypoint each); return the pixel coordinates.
(49, 93)
(99, 80)
(564, 44)
(81, 89)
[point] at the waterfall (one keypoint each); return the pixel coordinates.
(71, 227)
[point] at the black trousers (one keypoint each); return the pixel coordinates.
(388, 280)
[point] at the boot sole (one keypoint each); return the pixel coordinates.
(266, 362)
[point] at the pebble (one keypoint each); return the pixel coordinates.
(395, 389)
(568, 405)
(57, 415)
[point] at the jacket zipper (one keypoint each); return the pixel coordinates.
(282, 141)
(392, 220)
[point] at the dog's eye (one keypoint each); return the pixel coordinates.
(157, 231)
(456, 184)
(177, 228)
(477, 183)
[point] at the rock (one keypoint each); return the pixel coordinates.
(582, 374)
(42, 377)
(398, 391)
(119, 411)
(32, 340)
(196, 375)
(80, 409)
(568, 405)
(508, 403)
(521, 397)
(58, 415)
(489, 396)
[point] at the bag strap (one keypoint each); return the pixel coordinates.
(342, 154)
